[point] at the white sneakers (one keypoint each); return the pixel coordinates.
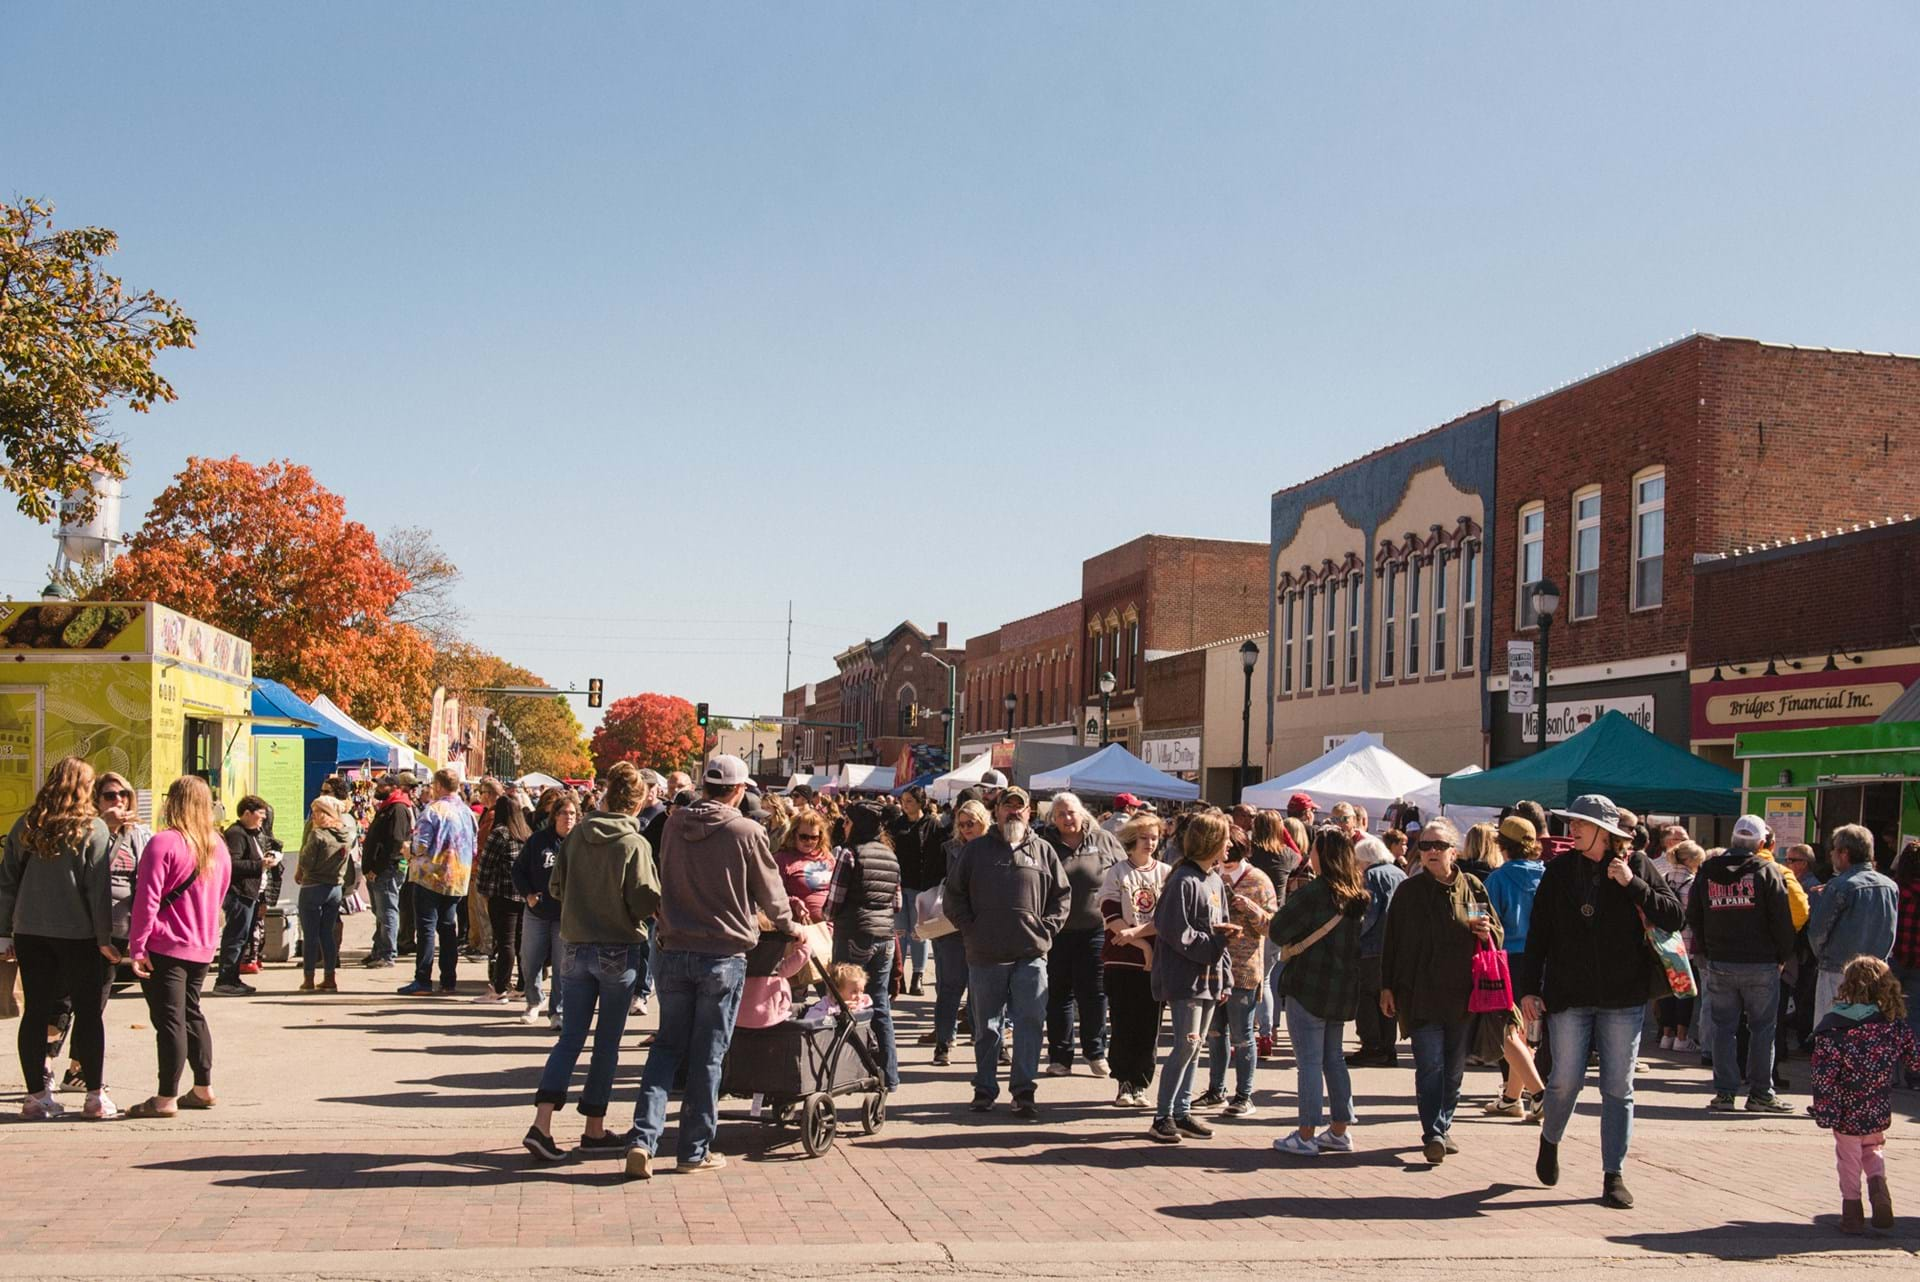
(1056, 1069)
(532, 1017)
(100, 1106)
(1098, 1067)
(42, 1108)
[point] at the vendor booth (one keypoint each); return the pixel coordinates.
(946, 787)
(863, 778)
(1427, 801)
(1360, 771)
(1112, 771)
(130, 686)
(1613, 757)
(1806, 783)
(298, 753)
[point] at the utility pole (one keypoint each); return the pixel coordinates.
(788, 682)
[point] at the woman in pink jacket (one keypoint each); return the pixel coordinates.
(177, 895)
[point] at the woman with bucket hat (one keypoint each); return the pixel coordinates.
(1589, 966)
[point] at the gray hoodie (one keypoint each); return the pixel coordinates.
(719, 871)
(1009, 902)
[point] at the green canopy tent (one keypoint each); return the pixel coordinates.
(1613, 757)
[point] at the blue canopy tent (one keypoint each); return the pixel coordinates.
(329, 745)
(1112, 771)
(1613, 757)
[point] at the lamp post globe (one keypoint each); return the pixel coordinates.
(1249, 658)
(1546, 601)
(1107, 684)
(1010, 703)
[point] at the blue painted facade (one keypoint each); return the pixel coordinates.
(1368, 491)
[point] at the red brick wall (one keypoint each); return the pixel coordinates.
(1035, 659)
(1602, 431)
(1204, 590)
(1859, 592)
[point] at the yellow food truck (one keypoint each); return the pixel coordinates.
(131, 686)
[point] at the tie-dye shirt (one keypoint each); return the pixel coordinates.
(444, 838)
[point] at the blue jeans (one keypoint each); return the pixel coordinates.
(1190, 1018)
(1074, 974)
(1230, 1040)
(1317, 1050)
(384, 890)
(903, 926)
(1617, 1034)
(234, 934)
(950, 985)
(875, 956)
(1439, 1062)
(540, 948)
(1752, 988)
(319, 914)
(590, 974)
(699, 998)
(1004, 991)
(648, 953)
(435, 917)
(1272, 1003)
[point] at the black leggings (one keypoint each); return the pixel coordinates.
(503, 919)
(58, 974)
(173, 1002)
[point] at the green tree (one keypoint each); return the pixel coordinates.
(73, 341)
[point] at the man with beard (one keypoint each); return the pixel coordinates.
(1008, 895)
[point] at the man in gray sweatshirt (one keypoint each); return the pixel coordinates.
(717, 879)
(1008, 894)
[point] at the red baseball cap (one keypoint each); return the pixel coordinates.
(1299, 803)
(1128, 800)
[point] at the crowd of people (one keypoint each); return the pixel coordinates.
(1130, 944)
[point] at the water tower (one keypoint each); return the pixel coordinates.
(83, 540)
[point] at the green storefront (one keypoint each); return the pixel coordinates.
(1806, 783)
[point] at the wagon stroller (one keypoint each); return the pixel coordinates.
(799, 1067)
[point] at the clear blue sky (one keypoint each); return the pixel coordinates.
(661, 315)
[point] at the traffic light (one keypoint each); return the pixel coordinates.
(700, 714)
(594, 688)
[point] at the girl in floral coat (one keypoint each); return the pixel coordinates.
(1856, 1052)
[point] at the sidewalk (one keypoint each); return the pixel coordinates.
(367, 1122)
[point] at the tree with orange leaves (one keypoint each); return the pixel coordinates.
(266, 552)
(656, 730)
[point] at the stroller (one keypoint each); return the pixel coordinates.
(799, 1067)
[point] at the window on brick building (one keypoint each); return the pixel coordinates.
(1439, 664)
(1286, 641)
(1389, 620)
(1586, 554)
(1414, 586)
(1332, 638)
(1133, 655)
(1649, 538)
(1469, 604)
(1353, 629)
(907, 699)
(1306, 641)
(1532, 561)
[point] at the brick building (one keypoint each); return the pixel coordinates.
(1804, 633)
(1379, 584)
(1614, 486)
(1153, 596)
(891, 694)
(1198, 711)
(1033, 660)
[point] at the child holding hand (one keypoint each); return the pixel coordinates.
(1856, 1052)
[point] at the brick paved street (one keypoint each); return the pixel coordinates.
(365, 1122)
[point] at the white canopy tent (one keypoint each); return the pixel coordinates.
(1361, 771)
(1428, 799)
(537, 782)
(863, 778)
(954, 782)
(1114, 770)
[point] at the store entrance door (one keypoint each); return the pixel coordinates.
(22, 749)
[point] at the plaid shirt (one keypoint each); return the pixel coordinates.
(1906, 934)
(493, 874)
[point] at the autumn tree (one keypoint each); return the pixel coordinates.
(427, 603)
(267, 552)
(73, 341)
(550, 737)
(656, 730)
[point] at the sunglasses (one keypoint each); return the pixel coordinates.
(1433, 845)
(806, 836)
(115, 794)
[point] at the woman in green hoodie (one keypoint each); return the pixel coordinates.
(607, 886)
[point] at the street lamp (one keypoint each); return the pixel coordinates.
(1010, 703)
(1249, 656)
(1546, 600)
(953, 700)
(1107, 683)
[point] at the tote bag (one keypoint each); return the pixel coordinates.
(1492, 985)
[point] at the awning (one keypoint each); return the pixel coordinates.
(212, 713)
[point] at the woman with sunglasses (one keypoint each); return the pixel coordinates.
(56, 921)
(1435, 924)
(806, 866)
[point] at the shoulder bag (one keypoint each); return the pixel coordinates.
(1290, 951)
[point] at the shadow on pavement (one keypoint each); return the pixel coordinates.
(1397, 1207)
(1753, 1240)
(387, 1170)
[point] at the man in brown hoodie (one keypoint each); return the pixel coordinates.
(717, 879)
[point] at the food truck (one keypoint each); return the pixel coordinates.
(132, 687)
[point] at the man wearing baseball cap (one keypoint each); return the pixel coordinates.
(719, 882)
(1741, 917)
(1300, 806)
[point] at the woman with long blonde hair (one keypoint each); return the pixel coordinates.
(56, 920)
(175, 933)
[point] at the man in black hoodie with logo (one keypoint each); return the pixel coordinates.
(383, 860)
(1742, 924)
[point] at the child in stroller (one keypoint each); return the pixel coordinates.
(848, 981)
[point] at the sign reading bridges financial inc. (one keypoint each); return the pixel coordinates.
(1816, 703)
